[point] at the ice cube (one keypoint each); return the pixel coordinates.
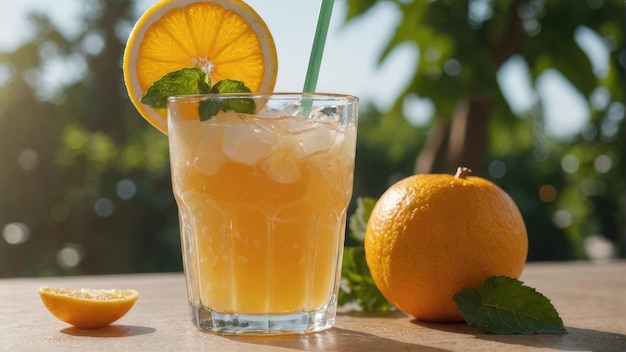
(281, 165)
(246, 142)
(207, 157)
(320, 139)
(326, 113)
(183, 139)
(294, 109)
(292, 125)
(271, 110)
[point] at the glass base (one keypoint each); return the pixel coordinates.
(264, 324)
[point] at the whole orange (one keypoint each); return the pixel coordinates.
(431, 235)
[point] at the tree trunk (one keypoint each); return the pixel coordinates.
(461, 142)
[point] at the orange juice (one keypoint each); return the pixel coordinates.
(262, 205)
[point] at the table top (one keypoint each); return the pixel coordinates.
(590, 298)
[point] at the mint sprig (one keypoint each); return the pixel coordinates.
(245, 105)
(182, 82)
(193, 80)
(505, 306)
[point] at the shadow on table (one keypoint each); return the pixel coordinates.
(110, 331)
(336, 339)
(574, 340)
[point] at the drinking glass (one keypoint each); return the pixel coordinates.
(262, 199)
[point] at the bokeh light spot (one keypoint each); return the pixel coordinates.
(562, 218)
(603, 163)
(93, 43)
(104, 207)
(547, 193)
(452, 67)
(126, 189)
(16, 233)
(70, 256)
(599, 248)
(497, 169)
(28, 159)
(570, 163)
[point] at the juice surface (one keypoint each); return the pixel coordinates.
(262, 205)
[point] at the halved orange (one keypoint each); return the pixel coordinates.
(87, 307)
(226, 38)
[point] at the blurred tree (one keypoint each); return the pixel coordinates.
(85, 188)
(463, 46)
(84, 185)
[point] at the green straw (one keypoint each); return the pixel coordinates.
(319, 41)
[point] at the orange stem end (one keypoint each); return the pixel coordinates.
(462, 172)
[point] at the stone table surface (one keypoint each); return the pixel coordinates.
(590, 298)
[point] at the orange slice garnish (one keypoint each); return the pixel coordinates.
(226, 38)
(86, 307)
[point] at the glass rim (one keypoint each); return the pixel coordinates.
(274, 95)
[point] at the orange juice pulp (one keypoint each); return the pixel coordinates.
(262, 208)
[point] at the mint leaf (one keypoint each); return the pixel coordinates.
(190, 80)
(357, 283)
(505, 306)
(246, 106)
(229, 86)
(193, 80)
(358, 220)
(207, 109)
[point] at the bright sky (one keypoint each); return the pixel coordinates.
(350, 63)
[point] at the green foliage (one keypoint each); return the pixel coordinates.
(461, 52)
(357, 7)
(68, 149)
(68, 153)
(505, 306)
(357, 285)
(386, 151)
(358, 220)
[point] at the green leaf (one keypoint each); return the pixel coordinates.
(246, 106)
(358, 220)
(207, 109)
(193, 80)
(190, 80)
(358, 285)
(229, 86)
(505, 306)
